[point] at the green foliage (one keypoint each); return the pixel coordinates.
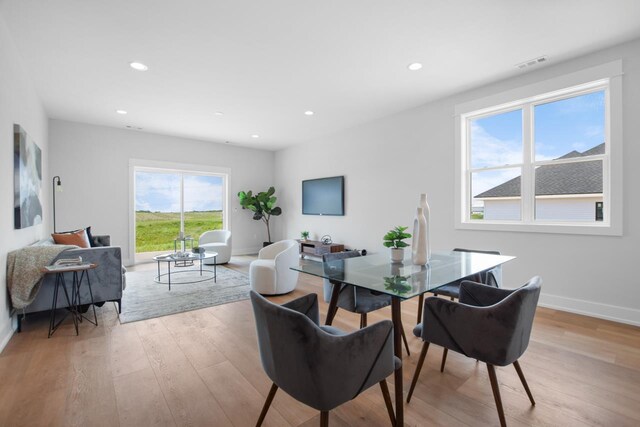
(304, 235)
(155, 231)
(263, 205)
(394, 238)
(397, 284)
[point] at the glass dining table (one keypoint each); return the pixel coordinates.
(401, 281)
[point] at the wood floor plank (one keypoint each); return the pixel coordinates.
(188, 397)
(240, 401)
(140, 400)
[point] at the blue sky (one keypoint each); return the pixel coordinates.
(560, 127)
(160, 192)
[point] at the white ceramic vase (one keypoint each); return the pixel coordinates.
(421, 250)
(397, 254)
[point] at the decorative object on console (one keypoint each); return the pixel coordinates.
(57, 187)
(263, 206)
(304, 235)
(326, 240)
(421, 251)
(394, 240)
(27, 180)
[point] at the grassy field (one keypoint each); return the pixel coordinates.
(155, 231)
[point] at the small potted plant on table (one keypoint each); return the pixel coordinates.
(394, 240)
(304, 235)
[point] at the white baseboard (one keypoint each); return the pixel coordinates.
(614, 313)
(246, 251)
(6, 335)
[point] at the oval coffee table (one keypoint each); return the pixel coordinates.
(185, 258)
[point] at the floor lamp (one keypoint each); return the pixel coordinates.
(57, 186)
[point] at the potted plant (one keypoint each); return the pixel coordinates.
(304, 235)
(394, 240)
(263, 206)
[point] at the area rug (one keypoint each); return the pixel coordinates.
(145, 299)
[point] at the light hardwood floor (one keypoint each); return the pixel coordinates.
(202, 368)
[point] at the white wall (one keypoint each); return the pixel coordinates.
(18, 104)
(387, 164)
(93, 162)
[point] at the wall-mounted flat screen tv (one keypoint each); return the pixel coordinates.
(323, 196)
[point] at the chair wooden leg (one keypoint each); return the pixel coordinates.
(324, 419)
(496, 394)
(363, 320)
(420, 304)
(267, 404)
(406, 343)
(423, 355)
(444, 359)
(516, 364)
(387, 401)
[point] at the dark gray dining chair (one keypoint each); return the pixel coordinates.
(452, 290)
(488, 324)
(353, 298)
(320, 366)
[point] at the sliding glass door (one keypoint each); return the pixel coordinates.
(170, 202)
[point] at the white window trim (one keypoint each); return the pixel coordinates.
(141, 164)
(585, 79)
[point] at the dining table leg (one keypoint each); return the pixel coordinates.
(397, 349)
(333, 303)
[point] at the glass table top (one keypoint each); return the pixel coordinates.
(404, 280)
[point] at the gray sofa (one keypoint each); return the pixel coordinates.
(107, 280)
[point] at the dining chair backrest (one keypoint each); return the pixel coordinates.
(491, 277)
(333, 257)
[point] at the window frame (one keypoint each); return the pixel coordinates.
(607, 78)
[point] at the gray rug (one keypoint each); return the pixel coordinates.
(145, 299)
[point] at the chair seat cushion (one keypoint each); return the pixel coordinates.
(213, 245)
(417, 331)
(366, 301)
(449, 290)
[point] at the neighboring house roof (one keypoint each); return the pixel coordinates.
(564, 178)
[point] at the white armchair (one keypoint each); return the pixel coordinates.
(271, 274)
(216, 241)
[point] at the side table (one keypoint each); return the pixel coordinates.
(79, 273)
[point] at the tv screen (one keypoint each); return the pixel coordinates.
(324, 196)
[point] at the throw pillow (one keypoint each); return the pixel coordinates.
(78, 238)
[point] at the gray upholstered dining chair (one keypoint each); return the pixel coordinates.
(353, 298)
(488, 324)
(320, 366)
(452, 290)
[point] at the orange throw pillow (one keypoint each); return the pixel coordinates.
(78, 238)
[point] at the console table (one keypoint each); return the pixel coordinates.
(316, 248)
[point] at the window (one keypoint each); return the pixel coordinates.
(168, 202)
(541, 163)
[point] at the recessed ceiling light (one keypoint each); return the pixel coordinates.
(308, 113)
(255, 136)
(139, 66)
(121, 112)
(219, 113)
(415, 66)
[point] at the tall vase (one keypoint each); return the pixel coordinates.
(421, 247)
(419, 243)
(427, 214)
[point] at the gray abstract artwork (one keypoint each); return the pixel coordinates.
(27, 179)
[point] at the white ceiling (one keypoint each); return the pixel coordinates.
(263, 63)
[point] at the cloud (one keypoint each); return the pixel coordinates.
(160, 192)
(488, 150)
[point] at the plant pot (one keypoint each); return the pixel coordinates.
(397, 254)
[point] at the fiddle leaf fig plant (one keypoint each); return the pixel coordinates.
(263, 206)
(394, 238)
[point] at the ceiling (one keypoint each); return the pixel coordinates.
(264, 63)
